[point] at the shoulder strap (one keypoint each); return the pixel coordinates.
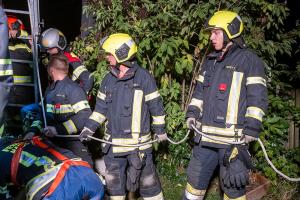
(38, 142)
(14, 166)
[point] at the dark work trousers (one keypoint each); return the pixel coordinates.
(201, 167)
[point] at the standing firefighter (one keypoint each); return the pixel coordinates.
(6, 71)
(127, 98)
(67, 107)
(55, 42)
(229, 102)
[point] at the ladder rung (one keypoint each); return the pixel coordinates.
(21, 61)
(16, 11)
(24, 84)
(16, 105)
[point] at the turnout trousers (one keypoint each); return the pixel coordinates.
(144, 174)
(201, 167)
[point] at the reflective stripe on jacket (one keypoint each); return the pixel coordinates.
(80, 72)
(230, 97)
(66, 106)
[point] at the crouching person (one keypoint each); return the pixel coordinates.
(46, 171)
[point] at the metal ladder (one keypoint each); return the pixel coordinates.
(35, 23)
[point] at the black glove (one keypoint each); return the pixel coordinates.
(85, 133)
(236, 163)
(235, 175)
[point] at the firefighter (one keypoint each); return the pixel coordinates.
(55, 42)
(67, 107)
(45, 171)
(20, 48)
(126, 100)
(229, 102)
(6, 71)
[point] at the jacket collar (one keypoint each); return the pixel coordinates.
(130, 73)
(218, 56)
(54, 84)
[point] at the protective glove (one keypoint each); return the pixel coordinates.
(85, 133)
(248, 138)
(29, 136)
(50, 131)
(235, 175)
(161, 137)
(189, 122)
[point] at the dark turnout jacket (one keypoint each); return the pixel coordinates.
(128, 105)
(230, 97)
(67, 107)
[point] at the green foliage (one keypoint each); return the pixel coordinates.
(172, 40)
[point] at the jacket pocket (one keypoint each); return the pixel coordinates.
(222, 95)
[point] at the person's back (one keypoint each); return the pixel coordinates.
(45, 171)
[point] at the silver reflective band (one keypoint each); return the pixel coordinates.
(234, 97)
(255, 112)
(5, 61)
(77, 72)
(35, 184)
(190, 196)
(158, 120)
(70, 126)
(198, 103)
(98, 117)
(81, 105)
(22, 79)
(117, 197)
(137, 111)
(256, 80)
(152, 95)
(200, 78)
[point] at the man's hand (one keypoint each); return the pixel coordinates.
(50, 131)
(29, 136)
(189, 122)
(248, 138)
(161, 137)
(85, 133)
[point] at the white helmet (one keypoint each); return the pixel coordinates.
(53, 38)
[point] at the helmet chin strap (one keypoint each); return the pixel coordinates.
(115, 69)
(226, 40)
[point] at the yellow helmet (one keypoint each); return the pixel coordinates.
(120, 45)
(229, 21)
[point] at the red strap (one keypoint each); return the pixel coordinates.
(71, 57)
(15, 161)
(62, 171)
(37, 141)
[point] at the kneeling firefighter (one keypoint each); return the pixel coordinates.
(127, 98)
(229, 102)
